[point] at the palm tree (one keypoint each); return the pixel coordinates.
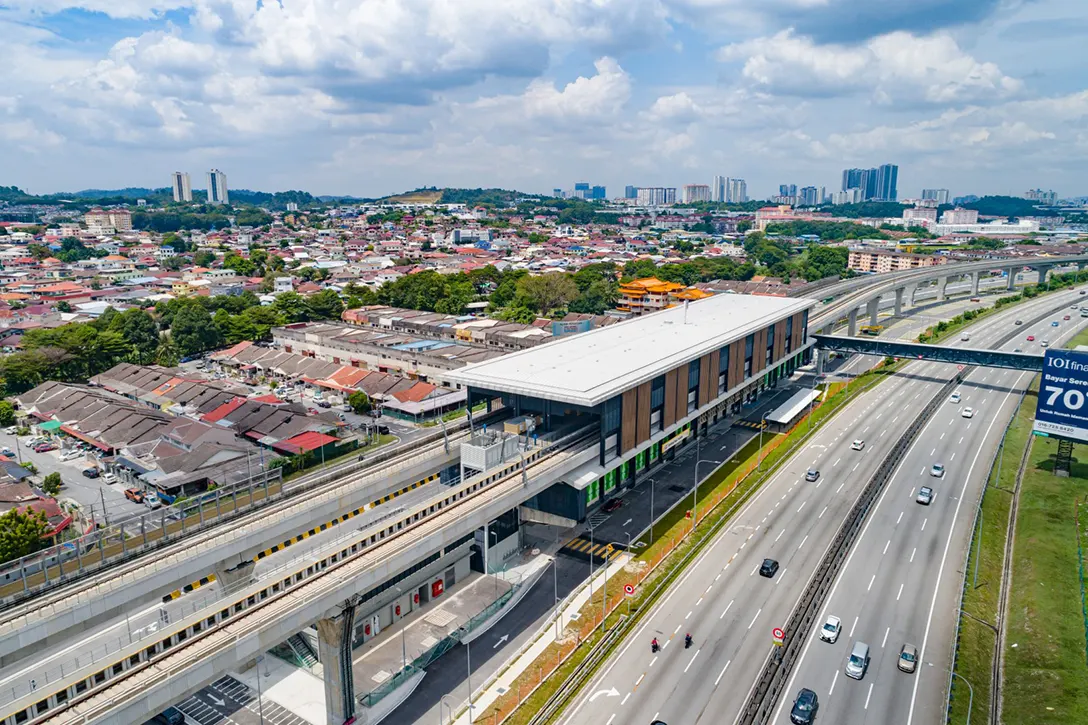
(167, 353)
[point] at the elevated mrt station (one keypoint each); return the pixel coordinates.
(646, 387)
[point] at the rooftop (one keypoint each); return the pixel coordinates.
(592, 367)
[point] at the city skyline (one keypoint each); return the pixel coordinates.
(978, 97)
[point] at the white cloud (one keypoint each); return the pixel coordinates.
(112, 8)
(893, 67)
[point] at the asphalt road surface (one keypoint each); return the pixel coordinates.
(730, 610)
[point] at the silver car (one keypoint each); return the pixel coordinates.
(925, 496)
(908, 658)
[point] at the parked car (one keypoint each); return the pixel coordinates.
(830, 631)
(768, 568)
(324, 404)
(7, 452)
(11, 430)
(169, 716)
(45, 447)
(612, 504)
(71, 455)
(152, 500)
(134, 495)
(109, 478)
(91, 472)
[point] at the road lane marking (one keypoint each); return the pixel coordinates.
(706, 592)
(678, 628)
(855, 624)
(900, 593)
(755, 617)
(869, 695)
(779, 535)
(836, 462)
(652, 661)
(688, 615)
(624, 700)
(912, 554)
(611, 719)
(754, 568)
(834, 679)
(640, 679)
(961, 439)
(931, 454)
(802, 542)
(722, 673)
(953, 457)
(924, 522)
(779, 577)
(727, 606)
(822, 513)
(942, 437)
(889, 629)
(886, 547)
(871, 583)
(882, 433)
(692, 660)
(841, 485)
(801, 506)
(899, 519)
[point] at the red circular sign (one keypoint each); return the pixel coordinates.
(628, 589)
(960, 367)
(777, 633)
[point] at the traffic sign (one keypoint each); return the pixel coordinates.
(608, 548)
(629, 590)
(960, 367)
(778, 636)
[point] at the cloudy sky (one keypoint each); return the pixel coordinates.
(372, 97)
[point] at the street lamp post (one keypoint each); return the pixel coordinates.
(762, 425)
(403, 646)
(468, 664)
(449, 709)
(260, 701)
(651, 510)
(971, 699)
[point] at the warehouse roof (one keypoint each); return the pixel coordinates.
(591, 367)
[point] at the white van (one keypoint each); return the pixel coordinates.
(858, 662)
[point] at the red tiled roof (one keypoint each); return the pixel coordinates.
(303, 442)
(214, 416)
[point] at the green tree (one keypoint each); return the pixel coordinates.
(21, 533)
(204, 258)
(167, 353)
(548, 291)
(359, 402)
(51, 484)
(292, 307)
(7, 414)
(63, 306)
(326, 305)
(596, 299)
(263, 319)
(193, 332)
(141, 333)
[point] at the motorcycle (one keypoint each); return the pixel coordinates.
(687, 641)
(654, 646)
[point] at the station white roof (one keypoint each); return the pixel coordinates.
(591, 367)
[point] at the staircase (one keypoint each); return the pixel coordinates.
(297, 651)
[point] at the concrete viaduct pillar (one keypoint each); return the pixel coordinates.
(821, 361)
(899, 294)
(852, 329)
(334, 637)
(974, 283)
(942, 283)
(873, 308)
(1012, 279)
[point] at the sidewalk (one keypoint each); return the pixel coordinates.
(507, 678)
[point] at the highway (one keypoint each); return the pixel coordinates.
(726, 605)
(901, 584)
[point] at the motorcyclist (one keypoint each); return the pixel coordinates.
(687, 640)
(654, 645)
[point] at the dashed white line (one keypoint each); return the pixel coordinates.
(912, 555)
(853, 625)
(801, 506)
(841, 485)
(779, 577)
(802, 542)
(834, 679)
(855, 468)
(822, 513)
(779, 535)
(652, 661)
(952, 458)
(836, 462)
(754, 569)
(624, 700)
(924, 524)
(755, 618)
(727, 606)
(869, 695)
(871, 583)
(900, 591)
(722, 673)
(688, 615)
(899, 519)
(692, 660)
(640, 679)
(886, 547)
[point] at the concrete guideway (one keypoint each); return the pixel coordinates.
(730, 616)
(900, 584)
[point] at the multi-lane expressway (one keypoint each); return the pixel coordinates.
(730, 609)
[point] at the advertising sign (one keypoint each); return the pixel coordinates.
(1062, 411)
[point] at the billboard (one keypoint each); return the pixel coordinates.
(1062, 410)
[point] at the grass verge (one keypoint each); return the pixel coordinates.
(731, 484)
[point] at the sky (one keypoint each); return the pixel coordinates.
(374, 97)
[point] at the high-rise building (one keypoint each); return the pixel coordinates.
(656, 196)
(695, 193)
(630, 192)
(941, 196)
(736, 191)
(558, 193)
(217, 187)
(1046, 197)
(718, 189)
(879, 184)
(809, 196)
(598, 192)
(183, 188)
(787, 189)
(887, 180)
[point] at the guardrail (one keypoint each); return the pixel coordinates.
(584, 669)
(778, 666)
(133, 537)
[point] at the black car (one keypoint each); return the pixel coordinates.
(805, 707)
(90, 472)
(769, 568)
(169, 716)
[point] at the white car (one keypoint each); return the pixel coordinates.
(955, 397)
(937, 471)
(109, 478)
(1045, 343)
(968, 412)
(857, 445)
(11, 430)
(152, 500)
(830, 631)
(965, 337)
(72, 455)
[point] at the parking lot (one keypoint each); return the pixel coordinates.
(89, 494)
